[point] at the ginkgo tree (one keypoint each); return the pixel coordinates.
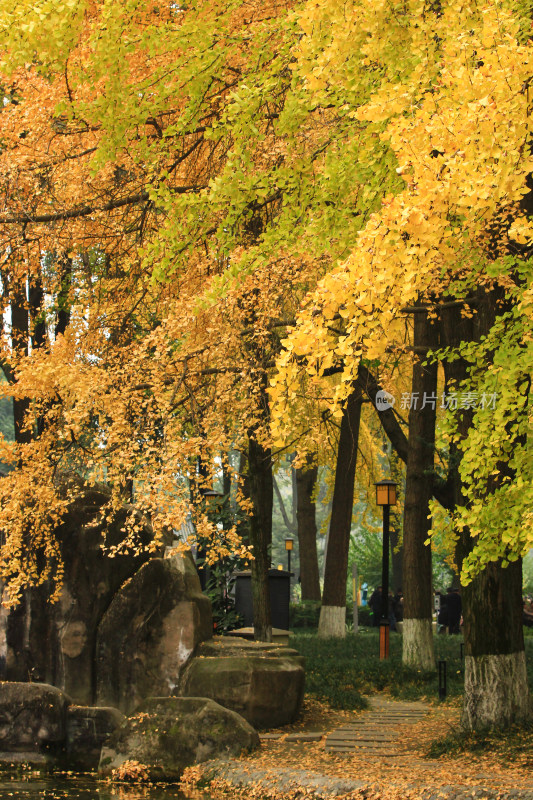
(147, 143)
(203, 168)
(453, 244)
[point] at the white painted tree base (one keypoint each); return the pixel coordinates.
(496, 691)
(417, 644)
(332, 622)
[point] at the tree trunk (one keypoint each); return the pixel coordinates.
(260, 486)
(494, 643)
(496, 687)
(20, 333)
(396, 558)
(64, 266)
(33, 611)
(333, 612)
(37, 318)
(306, 478)
(37, 327)
(418, 650)
(288, 522)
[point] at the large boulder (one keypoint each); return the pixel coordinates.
(264, 683)
(87, 730)
(33, 718)
(168, 734)
(149, 632)
(55, 642)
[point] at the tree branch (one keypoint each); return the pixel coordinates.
(442, 490)
(84, 211)
(288, 524)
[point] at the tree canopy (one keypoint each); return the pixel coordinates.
(183, 183)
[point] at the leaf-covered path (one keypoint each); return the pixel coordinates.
(376, 731)
(377, 754)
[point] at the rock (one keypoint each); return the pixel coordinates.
(27, 760)
(55, 642)
(264, 683)
(150, 630)
(87, 730)
(32, 717)
(168, 734)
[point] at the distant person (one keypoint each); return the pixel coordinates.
(527, 614)
(442, 613)
(375, 606)
(397, 605)
(392, 616)
(455, 609)
(364, 594)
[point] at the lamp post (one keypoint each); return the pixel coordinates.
(212, 500)
(289, 544)
(385, 497)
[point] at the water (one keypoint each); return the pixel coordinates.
(87, 789)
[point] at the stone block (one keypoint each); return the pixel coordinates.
(87, 730)
(264, 683)
(150, 630)
(32, 717)
(167, 734)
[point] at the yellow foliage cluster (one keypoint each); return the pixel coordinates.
(462, 152)
(189, 182)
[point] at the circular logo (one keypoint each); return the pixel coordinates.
(384, 400)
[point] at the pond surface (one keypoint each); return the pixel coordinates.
(87, 789)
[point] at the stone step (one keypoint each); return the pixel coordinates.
(362, 738)
(388, 718)
(366, 732)
(373, 733)
(380, 745)
(374, 720)
(370, 726)
(387, 709)
(371, 751)
(312, 736)
(394, 715)
(384, 709)
(390, 722)
(374, 724)
(377, 734)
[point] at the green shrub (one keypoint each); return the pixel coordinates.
(342, 671)
(305, 614)
(364, 615)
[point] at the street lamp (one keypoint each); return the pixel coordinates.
(289, 544)
(385, 497)
(212, 497)
(212, 500)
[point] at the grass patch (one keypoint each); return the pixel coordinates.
(341, 671)
(514, 744)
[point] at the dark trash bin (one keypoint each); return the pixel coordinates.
(279, 586)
